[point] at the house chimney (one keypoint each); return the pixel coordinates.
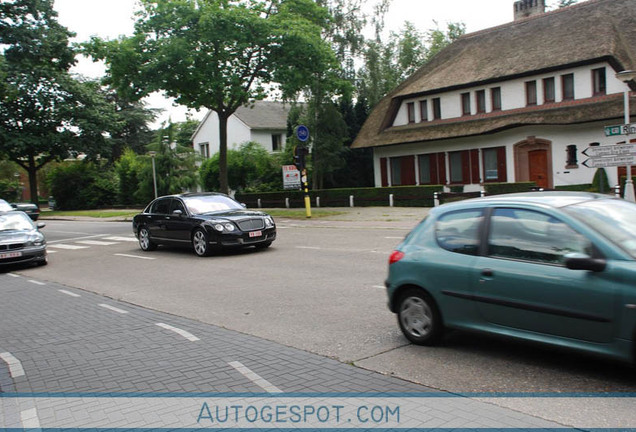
(528, 8)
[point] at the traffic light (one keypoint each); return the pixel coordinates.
(299, 157)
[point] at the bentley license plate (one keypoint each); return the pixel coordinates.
(256, 233)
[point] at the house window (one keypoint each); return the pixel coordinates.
(204, 149)
(410, 107)
(425, 169)
(456, 160)
(403, 171)
(494, 160)
(424, 110)
(495, 96)
(437, 109)
(571, 161)
(531, 93)
(481, 101)
(465, 103)
(277, 142)
(599, 82)
(567, 82)
(548, 90)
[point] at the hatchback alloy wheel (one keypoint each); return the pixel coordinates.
(419, 319)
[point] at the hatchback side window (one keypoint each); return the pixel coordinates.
(161, 206)
(459, 231)
(533, 236)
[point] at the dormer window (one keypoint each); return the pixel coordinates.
(531, 93)
(410, 107)
(437, 109)
(495, 96)
(481, 101)
(548, 90)
(465, 104)
(599, 82)
(567, 83)
(424, 110)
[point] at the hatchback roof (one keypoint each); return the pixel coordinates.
(547, 198)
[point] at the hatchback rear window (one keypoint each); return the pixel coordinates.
(459, 231)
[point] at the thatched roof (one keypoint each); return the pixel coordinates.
(585, 33)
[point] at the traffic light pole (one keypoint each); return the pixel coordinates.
(305, 185)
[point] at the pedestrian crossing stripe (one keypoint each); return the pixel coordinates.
(95, 243)
(130, 239)
(67, 246)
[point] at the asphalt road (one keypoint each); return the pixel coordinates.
(318, 289)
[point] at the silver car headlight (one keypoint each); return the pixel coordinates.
(228, 227)
(269, 222)
(224, 226)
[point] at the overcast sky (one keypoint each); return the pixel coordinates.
(112, 18)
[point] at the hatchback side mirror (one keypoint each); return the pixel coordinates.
(584, 262)
(40, 225)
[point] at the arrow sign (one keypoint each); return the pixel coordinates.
(611, 150)
(604, 162)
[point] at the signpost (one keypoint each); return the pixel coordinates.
(291, 177)
(610, 156)
(626, 129)
(302, 133)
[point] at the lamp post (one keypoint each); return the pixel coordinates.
(626, 76)
(154, 171)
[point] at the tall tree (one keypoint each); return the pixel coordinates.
(219, 54)
(44, 111)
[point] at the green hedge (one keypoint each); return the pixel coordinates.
(403, 196)
(586, 187)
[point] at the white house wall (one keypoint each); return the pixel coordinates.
(237, 134)
(559, 136)
(264, 138)
(513, 93)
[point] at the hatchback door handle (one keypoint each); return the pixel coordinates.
(487, 272)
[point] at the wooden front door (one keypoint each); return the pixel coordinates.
(538, 161)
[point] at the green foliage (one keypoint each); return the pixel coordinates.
(128, 169)
(600, 182)
(219, 54)
(82, 185)
(45, 112)
(585, 187)
(403, 196)
(505, 188)
(250, 168)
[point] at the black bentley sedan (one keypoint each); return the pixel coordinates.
(207, 222)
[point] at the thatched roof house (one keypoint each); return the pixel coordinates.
(595, 33)
(577, 35)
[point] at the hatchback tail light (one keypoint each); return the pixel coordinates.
(395, 257)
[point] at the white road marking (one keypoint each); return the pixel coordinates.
(95, 243)
(30, 419)
(51, 251)
(15, 367)
(77, 238)
(67, 246)
(113, 308)
(255, 378)
(72, 294)
(13, 275)
(308, 247)
(185, 334)
(134, 256)
(36, 282)
(379, 286)
(395, 238)
(130, 239)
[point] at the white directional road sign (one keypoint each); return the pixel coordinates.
(603, 162)
(610, 150)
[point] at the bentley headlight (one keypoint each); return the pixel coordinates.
(218, 227)
(269, 222)
(229, 227)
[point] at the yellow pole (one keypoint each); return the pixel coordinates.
(306, 189)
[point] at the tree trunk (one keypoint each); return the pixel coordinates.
(33, 180)
(223, 182)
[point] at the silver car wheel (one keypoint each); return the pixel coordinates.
(200, 243)
(416, 317)
(144, 239)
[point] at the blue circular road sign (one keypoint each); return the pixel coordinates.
(302, 133)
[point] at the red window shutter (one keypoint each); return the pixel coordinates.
(474, 167)
(502, 175)
(408, 170)
(383, 172)
(441, 168)
(465, 167)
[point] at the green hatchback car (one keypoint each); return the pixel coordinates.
(550, 267)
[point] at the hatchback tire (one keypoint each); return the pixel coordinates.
(145, 243)
(419, 318)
